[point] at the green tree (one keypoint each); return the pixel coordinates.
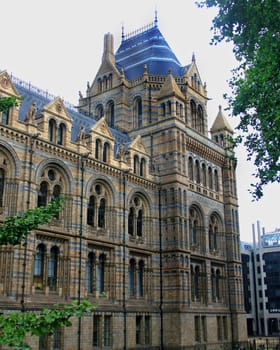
(15, 326)
(253, 28)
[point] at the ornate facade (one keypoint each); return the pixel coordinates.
(150, 217)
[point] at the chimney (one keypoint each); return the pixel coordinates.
(108, 53)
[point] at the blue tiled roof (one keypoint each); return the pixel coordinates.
(147, 48)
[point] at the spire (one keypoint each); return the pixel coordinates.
(193, 57)
(170, 87)
(122, 32)
(156, 18)
(221, 123)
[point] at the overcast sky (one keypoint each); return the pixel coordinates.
(57, 46)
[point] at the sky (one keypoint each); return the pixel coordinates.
(57, 46)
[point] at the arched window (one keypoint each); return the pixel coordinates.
(140, 282)
(216, 180)
(97, 148)
(197, 283)
(190, 168)
(142, 167)
(101, 274)
(193, 114)
(90, 267)
(139, 223)
(52, 130)
(132, 277)
(101, 213)
(43, 194)
(105, 155)
(6, 117)
(138, 112)
(204, 177)
(99, 83)
(39, 267)
(200, 119)
(197, 172)
(163, 111)
(136, 217)
(99, 112)
(218, 282)
(195, 226)
(111, 114)
(210, 178)
(61, 134)
(90, 211)
(169, 107)
(53, 268)
(2, 186)
(213, 233)
(136, 164)
(131, 221)
(213, 284)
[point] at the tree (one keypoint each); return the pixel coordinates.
(15, 326)
(253, 28)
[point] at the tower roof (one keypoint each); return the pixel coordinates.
(221, 123)
(147, 47)
(170, 88)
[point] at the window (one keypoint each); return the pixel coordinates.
(101, 274)
(147, 330)
(97, 206)
(225, 327)
(105, 154)
(204, 328)
(111, 114)
(140, 282)
(61, 134)
(210, 178)
(97, 148)
(195, 225)
(138, 330)
(216, 181)
(39, 267)
(204, 181)
(52, 130)
(142, 167)
(96, 330)
(136, 217)
(2, 186)
(137, 112)
(190, 168)
(193, 114)
(6, 117)
(90, 269)
(107, 330)
(200, 119)
(99, 112)
(131, 277)
(44, 342)
(213, 233)
(197, 172)
(197, 328)
(219, 328)
(53, 268)
(56, 339)
(136, 164)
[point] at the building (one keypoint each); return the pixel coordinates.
(261, 280)
(151, 212)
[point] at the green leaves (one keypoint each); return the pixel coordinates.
(15, 229)
(253, 27)
(16, 325)
(7, 102)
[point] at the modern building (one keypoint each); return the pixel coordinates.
(261, 280)
(150, 216)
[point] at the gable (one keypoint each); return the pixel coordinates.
(6, 85)
(138, 146)
(101, 128)
(57, 108)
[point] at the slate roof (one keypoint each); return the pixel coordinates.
(147, 48)
(30, 93)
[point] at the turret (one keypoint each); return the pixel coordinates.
(221, 129)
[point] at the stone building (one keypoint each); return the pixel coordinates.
(150, 217)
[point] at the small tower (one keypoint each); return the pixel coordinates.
(221, 129)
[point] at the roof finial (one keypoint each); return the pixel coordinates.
(122, 31)
(156, 18)
(193, 57)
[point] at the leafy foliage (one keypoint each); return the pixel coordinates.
(15, 229)
(7, 102)
(16, 325)
(253, 27)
